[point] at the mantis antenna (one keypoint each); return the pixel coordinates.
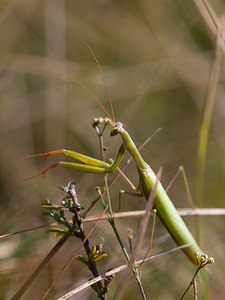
(94, 98)
(103, 78)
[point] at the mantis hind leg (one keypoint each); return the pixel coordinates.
(122, 192)
(136, 191)
(186, 184)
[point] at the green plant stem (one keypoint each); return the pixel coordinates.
(104, 176)
(107, 195)
(204, 130)
(134, 270)
(112, 223)
(201, 268)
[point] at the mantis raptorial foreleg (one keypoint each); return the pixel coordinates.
(122, 192)
(88, 164)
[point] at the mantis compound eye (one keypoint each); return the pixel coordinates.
(116, 129)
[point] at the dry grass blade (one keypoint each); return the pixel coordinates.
(36, 272)
(211, 19)
(117, 270)
(208, 14)
(139, 236)
(22, 231)
(202, 212)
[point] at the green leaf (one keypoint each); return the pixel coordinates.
(70, 202)
(50, 206)
(95, 254)
(75, 223)
(55, 229)
(99, 256)
(69, 184)
(46, 200)
(82, 259)
(92, 252)
(62, 188)
(46, 213)
(62, 215)
(59, 232)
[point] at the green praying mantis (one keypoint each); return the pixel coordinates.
(166, 211)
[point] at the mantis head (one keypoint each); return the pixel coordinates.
(106, 121)
(116, 129)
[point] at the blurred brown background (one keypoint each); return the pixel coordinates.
(156, 58)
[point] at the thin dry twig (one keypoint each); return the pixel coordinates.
(137, 213)
(181, 211)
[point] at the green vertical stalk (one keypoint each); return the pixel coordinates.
(204, 130)
(112, 223)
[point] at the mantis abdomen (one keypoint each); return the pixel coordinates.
(168, 214)
(165, 208)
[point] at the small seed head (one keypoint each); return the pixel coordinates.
(95, 122)
(107, 121)
(196, 253)
(204, 258)
(211, 260)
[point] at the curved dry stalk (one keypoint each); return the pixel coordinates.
(206, 121)
(39, 268)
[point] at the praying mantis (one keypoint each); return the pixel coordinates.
(166, 211)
